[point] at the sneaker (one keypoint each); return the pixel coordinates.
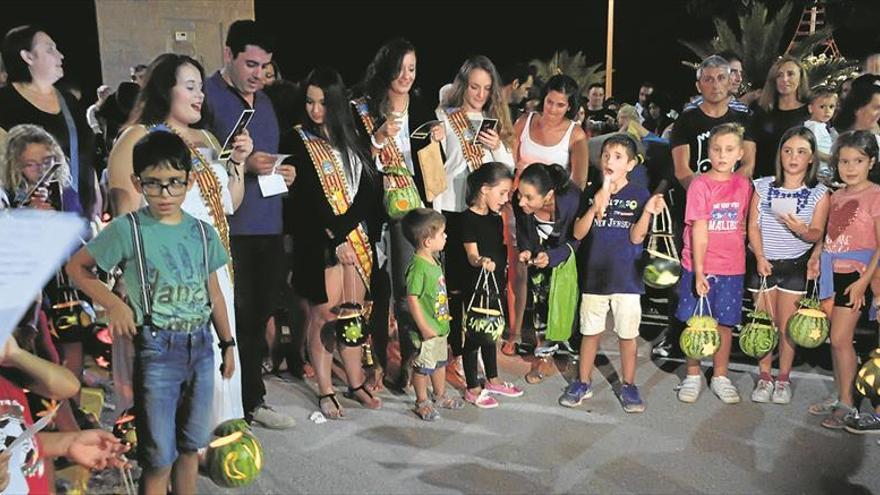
(566, 349)
(482, 400)
(763, 391)
(267, 417)
(862, 424)
(631, 400)
(575, 393)
(506, 389)
(548, 349)
(689, 389)
(662, 348)
(725, 390)
(782, 393)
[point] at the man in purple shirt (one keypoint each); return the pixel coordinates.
(256, 227)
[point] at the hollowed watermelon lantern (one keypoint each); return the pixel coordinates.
(482, 321)
(701, 338)
(808, 327)
(231, 426)
(662, 264)
(868, 378)
(759, 336)
(124, 430)
(350, 325)
(235, 460)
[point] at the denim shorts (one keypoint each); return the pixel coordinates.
(725, 298)
(173, 391)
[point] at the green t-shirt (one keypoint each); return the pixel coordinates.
(425, 280)
(175, 267)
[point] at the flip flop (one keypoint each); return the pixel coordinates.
(534, 377)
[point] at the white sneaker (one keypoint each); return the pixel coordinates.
(689, 388)
(782, 393)
(763, 391)
(724, 389)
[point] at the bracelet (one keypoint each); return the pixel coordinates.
(230, 160)
(376, 143)
(223, 345)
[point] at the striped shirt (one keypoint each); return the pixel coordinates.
(778, 241)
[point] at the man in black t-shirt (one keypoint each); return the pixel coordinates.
(599, 119)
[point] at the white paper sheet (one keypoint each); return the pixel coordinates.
(273, 184)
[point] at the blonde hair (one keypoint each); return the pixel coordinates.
(725, 129)
(770, 95)
(497, 106)
(17, 140)
(628, 111)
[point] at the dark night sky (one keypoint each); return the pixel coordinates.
(346, 34)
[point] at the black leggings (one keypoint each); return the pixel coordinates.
(469, 358)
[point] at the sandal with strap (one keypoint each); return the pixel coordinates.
(370, 402)
(837, 419)
(447, 402)
(534, 377)
(508, 348)
(425, 411)
(336, 412)
(823, 407)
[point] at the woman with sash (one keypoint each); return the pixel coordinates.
(389, 111)
(475, 95)
(171, 101)
(331, 206)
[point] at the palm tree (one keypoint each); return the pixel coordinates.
(573, 65)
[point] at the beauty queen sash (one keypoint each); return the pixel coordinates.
(332, 180)
(473, 154)
(400, 193)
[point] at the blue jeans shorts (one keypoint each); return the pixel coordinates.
(725, 298)
(173, 390)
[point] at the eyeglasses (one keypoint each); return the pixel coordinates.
(43, 165)
(174, 187)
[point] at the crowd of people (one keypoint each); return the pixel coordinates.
(508, 214)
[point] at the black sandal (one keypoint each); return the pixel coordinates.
(373, 403)
(328, 413)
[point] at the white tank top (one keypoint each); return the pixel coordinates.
(532, 152)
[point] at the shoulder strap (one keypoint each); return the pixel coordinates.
(73, 139)
(205, 256)
(137, 242)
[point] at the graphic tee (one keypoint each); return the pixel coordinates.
(612, 259)
(851, 225)
(724, 204)
(27, 474)
(692, 128)
(425, 280)
(175, 267)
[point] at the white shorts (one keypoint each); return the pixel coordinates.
(622, 312)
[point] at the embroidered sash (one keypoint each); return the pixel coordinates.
(389, 155)
(473, 154)
(332, 180)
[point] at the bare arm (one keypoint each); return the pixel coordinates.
(700, 234)
(474, 258)
(748, 159)
(416, 311)
(580, 161)
(681, 156)
(639, 230)
(220, 317)
(43, 377)
(517, 132)
(79, 268)
(123, 196)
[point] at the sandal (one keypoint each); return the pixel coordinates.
(447, 402)
(508, 348)
(370, 402)
(824, 407)
(534, 377)
(837, 419)
(425, 411)
(336, 412)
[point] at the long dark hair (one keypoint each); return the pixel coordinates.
(339, 128)
(489, 174)
(384, 68)
(567, 86)
(154, 101)
(546, 178)
(859, 96)
(810, 180)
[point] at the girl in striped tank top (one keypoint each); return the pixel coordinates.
(787, 217)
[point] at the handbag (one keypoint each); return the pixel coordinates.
(562, 299)
(484, 321)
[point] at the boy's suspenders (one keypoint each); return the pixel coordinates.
(141, 263)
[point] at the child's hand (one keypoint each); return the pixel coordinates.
(765, 269)
(856, 292)
(96, 450)
(795, 224)
(701, 285)
(541, 260)
(601, 200)
(813, 268)
(121, 320)
(525, 256)
(428, 335)
(655, 205)
(487, 264)
(228, 366)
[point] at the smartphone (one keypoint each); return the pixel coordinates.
(40, 183)
(486, 125)
(243, 120)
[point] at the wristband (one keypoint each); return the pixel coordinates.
(223, 345)
(376, 143)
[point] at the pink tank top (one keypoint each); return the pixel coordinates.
(532, 152)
